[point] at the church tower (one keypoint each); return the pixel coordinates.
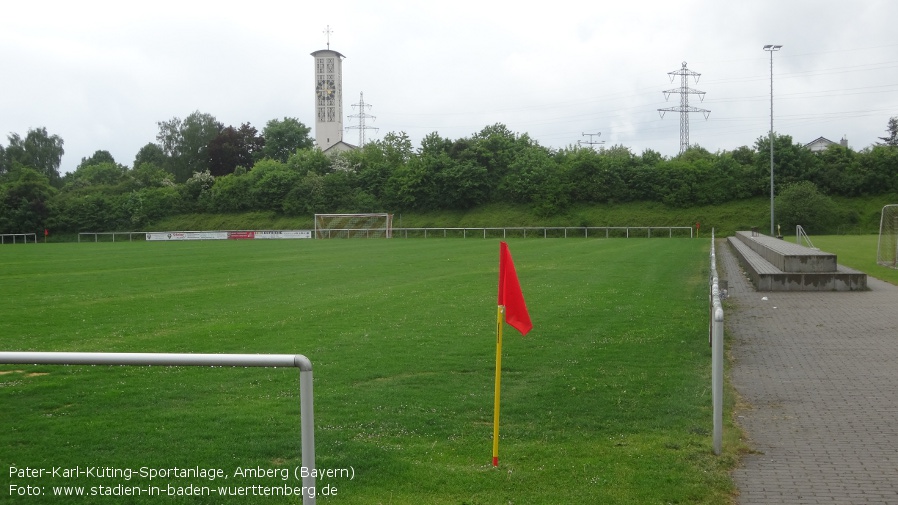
(328, 97)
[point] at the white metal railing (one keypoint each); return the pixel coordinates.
(307, 420)
(473, 231)
(801, 235)
(5, 237)
(716, 341)
(547, 231)
(98, 234)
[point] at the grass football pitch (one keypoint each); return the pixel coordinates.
(607, 400)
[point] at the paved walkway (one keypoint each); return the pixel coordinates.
(818, 373)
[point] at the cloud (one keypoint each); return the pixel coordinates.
(101, 74)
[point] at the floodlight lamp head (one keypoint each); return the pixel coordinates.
(773, 47)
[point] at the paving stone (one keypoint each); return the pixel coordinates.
(819, 374)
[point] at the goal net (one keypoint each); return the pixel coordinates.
(887, 250)
(353, 225)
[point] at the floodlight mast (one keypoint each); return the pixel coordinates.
(771, 48)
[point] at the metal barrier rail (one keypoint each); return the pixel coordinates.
(801, 234)
(307, 419)
(716, 341)
(5, 236)
(559, 231)
(97, 234)
(479, 231)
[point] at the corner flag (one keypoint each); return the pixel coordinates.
(512, 307)
(510, 295)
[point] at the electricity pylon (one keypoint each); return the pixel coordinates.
(684, 109)
(362, 116)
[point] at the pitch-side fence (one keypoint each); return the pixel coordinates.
(6, 238)
(476, 232)
(716, 341)
(549, 232)
(307, 420)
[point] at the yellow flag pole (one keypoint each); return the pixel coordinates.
(499, 321)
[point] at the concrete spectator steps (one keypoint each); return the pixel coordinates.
(773, 264)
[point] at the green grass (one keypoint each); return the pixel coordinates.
(607, 400)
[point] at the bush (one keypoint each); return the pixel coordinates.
(802, 203)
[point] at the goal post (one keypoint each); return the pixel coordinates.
(887, 249)
(379, 225)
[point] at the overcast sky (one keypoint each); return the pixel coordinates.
(101, 74)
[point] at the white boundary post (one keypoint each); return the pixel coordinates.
(306, 411)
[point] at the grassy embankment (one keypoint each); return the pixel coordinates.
(856, 216)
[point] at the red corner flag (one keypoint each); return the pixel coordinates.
(510, 294)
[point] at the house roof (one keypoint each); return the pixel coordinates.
(340, 146)
(820, 140)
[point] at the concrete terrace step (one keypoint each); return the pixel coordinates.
(767, 276)
(789, 257)
(755, 262)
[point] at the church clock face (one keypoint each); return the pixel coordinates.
(326, 90)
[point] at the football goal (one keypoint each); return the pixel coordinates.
(887, 250)
(353, 225)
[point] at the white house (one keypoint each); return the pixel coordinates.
(821, 143)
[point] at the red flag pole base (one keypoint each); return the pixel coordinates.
(496, 461)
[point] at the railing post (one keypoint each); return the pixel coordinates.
(307, 425)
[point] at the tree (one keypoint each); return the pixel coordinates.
(309, 160)
(99, 174)
(24, 202)
(234, 148)
(150, 204)
(494, 148)
(232, 193)
(651, 157)
(169, 136)
(582, 170)
(745, 156)
(96, 158)
(283, 138)
(38, 150)
(152, 154)
(792, 163)
(150, 175)
(880, 164)
(185, 143)
(534, 178)
(802, 203)
(272, 181)
(892, 129)
(395, 147)
(196, 187)
(841, 172)
(3, 166)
